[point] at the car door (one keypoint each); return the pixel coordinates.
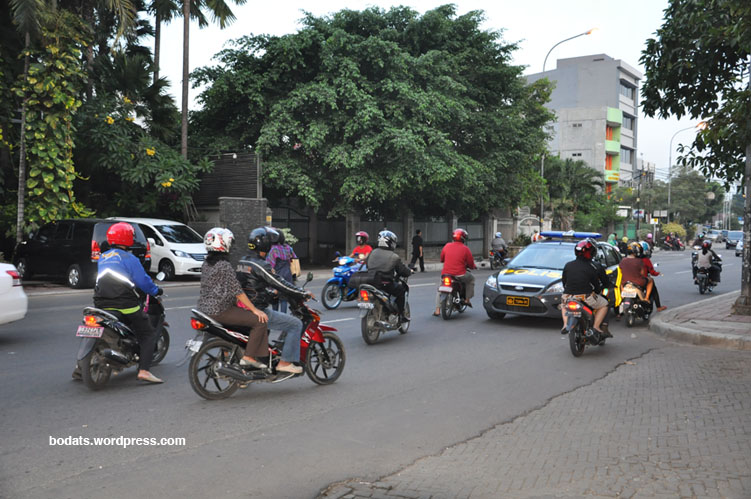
(158, 249)
(41, 258)
(60, 252)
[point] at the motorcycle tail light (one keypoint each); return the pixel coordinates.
(447, 281)
(364, 295)
(95, 251)
(196, 324)
(573, 306)
(90, 320)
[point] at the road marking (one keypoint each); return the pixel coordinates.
(419, 285)
(339, 320)
(180, 308)
(684, 271)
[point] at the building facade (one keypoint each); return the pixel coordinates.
(596, 104)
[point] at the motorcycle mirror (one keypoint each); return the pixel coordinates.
(160, 276)
(309, 277)
(337, 254)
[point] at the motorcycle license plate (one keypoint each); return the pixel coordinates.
(628, 294)
(90, 331)
(193, 345)
(364, 305)
(445, 289)
(517, 301)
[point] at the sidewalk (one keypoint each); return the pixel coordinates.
(675, 422)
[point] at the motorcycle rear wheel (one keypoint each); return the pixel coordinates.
(577, 341)
(405, 325)
(94, 370)
(161, 347)
(201, 370)
(630, 319)
(332, 295)
(370, 332)
(447, 306)
(702, 287)
(324, 362)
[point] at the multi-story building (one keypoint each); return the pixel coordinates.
(596, 104)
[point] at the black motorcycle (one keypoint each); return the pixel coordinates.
(579, 324)
(703, 276)
(496, 258)
(453, 296)
(379, 313)
(633, 304)
(108, 345)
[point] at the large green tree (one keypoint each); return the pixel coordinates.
(575, 189)
(380, 111)
(699, 64)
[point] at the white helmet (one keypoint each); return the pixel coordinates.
(218, 239)
(498, 234)
(387, 239)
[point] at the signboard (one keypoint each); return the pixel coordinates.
(655, 221)
(638, 214)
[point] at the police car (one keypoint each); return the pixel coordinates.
(530, 284)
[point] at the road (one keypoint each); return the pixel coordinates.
(404, 398)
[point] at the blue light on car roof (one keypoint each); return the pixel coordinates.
(557, 234)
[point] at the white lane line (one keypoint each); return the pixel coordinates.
(339, 320)
(428, 284)
(683, 272)
(180, 308)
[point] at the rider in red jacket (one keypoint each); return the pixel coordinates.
(457, 259)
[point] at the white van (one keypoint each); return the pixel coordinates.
(176, 249)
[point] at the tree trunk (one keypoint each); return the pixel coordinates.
(186, 45)
(22, 153)
(157, 42)
(743, 303)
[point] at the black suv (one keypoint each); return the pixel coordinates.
(71, 248)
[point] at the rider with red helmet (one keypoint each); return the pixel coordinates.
(585, 279)
(457, 259)
(363, 249)
(119, 276)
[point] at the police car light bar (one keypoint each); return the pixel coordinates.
(557, 234)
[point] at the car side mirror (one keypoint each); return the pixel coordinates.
(505, 261)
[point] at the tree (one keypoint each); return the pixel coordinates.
(381, 111)
(576, 187)
(699, 64)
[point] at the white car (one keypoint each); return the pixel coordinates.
(13, 300)
(176, 249)
(739, 248)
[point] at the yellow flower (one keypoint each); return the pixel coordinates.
(129, 118)
(166, 184)
(109, 120)
(171, 179)
(127, 101)
(150, 151)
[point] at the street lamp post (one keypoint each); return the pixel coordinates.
(542, 160)
(700, 126)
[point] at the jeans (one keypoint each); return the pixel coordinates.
(291, 328)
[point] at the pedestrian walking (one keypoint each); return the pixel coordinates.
(417, 251)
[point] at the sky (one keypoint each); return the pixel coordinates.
(536, 25)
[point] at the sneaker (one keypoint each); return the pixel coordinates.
(252, 363)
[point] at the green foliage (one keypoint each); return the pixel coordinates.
(677, 228)
(694, 198)
(381, 110)
(698, 65)
(51, 94)
(521, 240)
(289, 237)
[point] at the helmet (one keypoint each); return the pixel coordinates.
(624, 239)
(121, 234)
(280, 240)
(706, 244)
(218, 239)
(361, 237)
(387, 239)
(460, 235)
(634, 249)
(645, 248)
(585, 249)
(701, 235)
(498, 234)
(649, 236)
(261, 238)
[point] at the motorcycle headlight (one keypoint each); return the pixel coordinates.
(342, 261)
(492, 281)
(555, 288)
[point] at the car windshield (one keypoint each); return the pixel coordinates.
(544, 256)
(735, 234)
(181, 234)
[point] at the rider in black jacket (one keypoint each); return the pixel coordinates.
(262, 286)
(586, 279)
(386, 265)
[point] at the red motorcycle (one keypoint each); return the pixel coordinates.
(215, 371)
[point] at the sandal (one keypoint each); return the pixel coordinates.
(436, 314)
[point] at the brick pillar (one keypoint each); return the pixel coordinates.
(351, 226)
(408, 223)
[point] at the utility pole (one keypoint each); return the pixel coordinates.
(638, 195)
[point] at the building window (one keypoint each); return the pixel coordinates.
(627, 156)
(576, 155)
(628, 122)
(576, 125)
(628, 91)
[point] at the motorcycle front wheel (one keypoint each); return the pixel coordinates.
(202, 369)
(447, 305)
(332, 295)
(370, 332)
(324, 362)
(95, 372)
(577, 340)
(161, 347)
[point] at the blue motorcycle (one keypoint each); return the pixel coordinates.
(336, 289)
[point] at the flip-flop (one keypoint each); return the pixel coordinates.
(436, 315)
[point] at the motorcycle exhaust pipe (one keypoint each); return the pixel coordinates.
(115, 356)
(238, 374)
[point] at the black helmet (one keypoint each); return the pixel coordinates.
(261, 239)
(387, 239)
(281, 239)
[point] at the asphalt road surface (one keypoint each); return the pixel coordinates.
(404, 398)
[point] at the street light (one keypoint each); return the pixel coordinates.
(699, 126)
(542, 160)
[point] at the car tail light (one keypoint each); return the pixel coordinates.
(364, 295)
(148, 250)
(447, 281)
(15, 276)
(90, 320)
(95, 251)
(196, 324)
(573, 306)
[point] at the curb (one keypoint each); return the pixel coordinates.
(661, 325)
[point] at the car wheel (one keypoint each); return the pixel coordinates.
(75, 277)
(22, 266)
(168, 268)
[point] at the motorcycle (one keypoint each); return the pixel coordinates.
(108, 345)
(579, 324)
(633, 306)
(453, 295)
(337, 288)
(215, 352)
(676, 245)
(496, 258)
(379, 313)
(706, 285)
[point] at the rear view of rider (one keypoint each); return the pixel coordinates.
(584, 279)
(652, 293)
(363, 249)
(457, 259)
(386, 265)
(499, 244)
(119, 276)
(706, 260)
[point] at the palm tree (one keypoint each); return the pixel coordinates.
(573, 182)
(223, 15)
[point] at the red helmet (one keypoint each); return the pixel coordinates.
(585, 249)
(706, 244)
(361, 237)
(460, 235)
(121, 234)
